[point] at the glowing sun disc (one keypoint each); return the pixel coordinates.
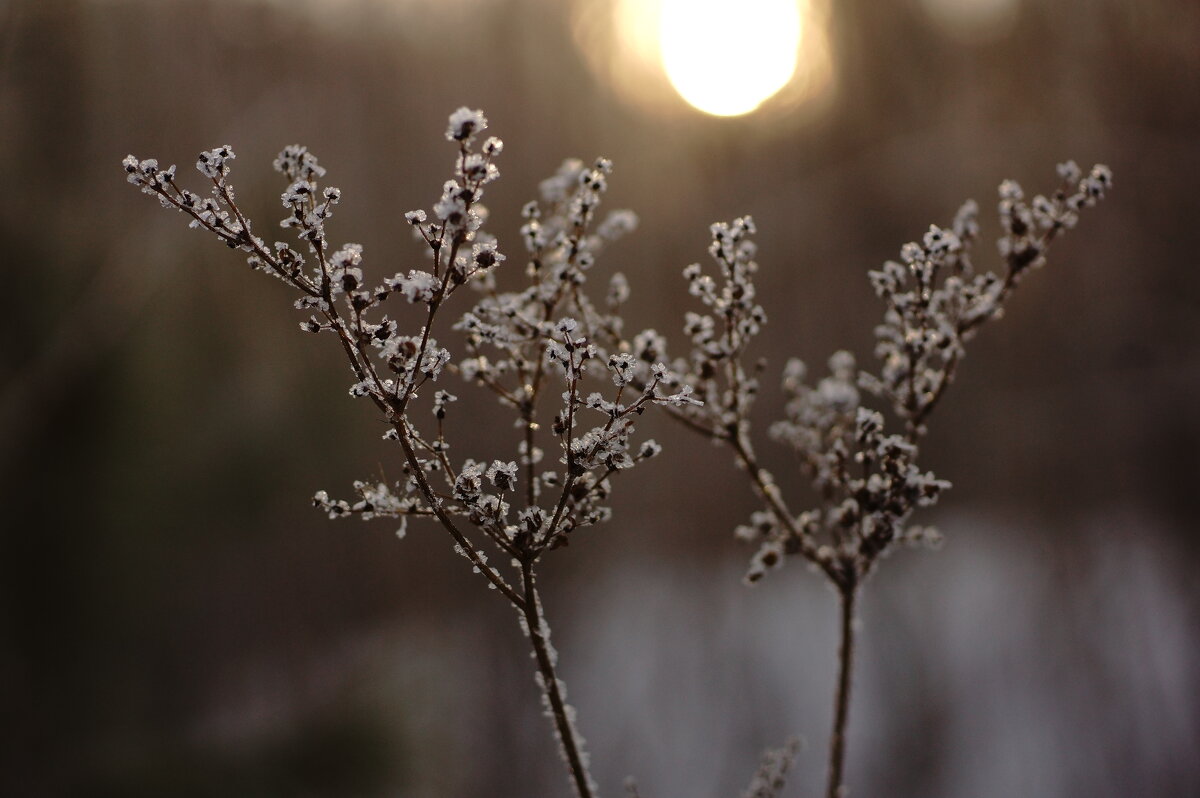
(727, 58)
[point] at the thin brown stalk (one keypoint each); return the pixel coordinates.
(847, 594)
(563, 727)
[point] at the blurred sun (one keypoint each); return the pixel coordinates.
(727, 57)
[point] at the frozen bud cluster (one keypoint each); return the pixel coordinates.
(297, 163)
(545, 350)
(771, 776)
(1028, 225)
(464, 124)
(720, 335)
(376, 500)
(935, 300)
(214, 164)
(868, 482)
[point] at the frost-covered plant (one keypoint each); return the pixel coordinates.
(536, 349)
(561, 363)
(867, 481)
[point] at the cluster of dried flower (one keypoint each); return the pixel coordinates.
(867, 481)
(549, 338)
(542, 343)
(771, 776)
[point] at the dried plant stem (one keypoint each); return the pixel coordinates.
(565, 729)
(847, 595)
(465, 546)
(771, 495)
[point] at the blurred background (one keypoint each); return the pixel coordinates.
(177, 621)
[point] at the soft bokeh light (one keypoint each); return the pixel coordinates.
(727, 58)
(973, 21)
(721, 58)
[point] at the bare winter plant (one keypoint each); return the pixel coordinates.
(866, 481)
(561, 363)
(529, 348)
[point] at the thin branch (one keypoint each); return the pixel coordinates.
(468, 549)
(563, 725)
(841, 703)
